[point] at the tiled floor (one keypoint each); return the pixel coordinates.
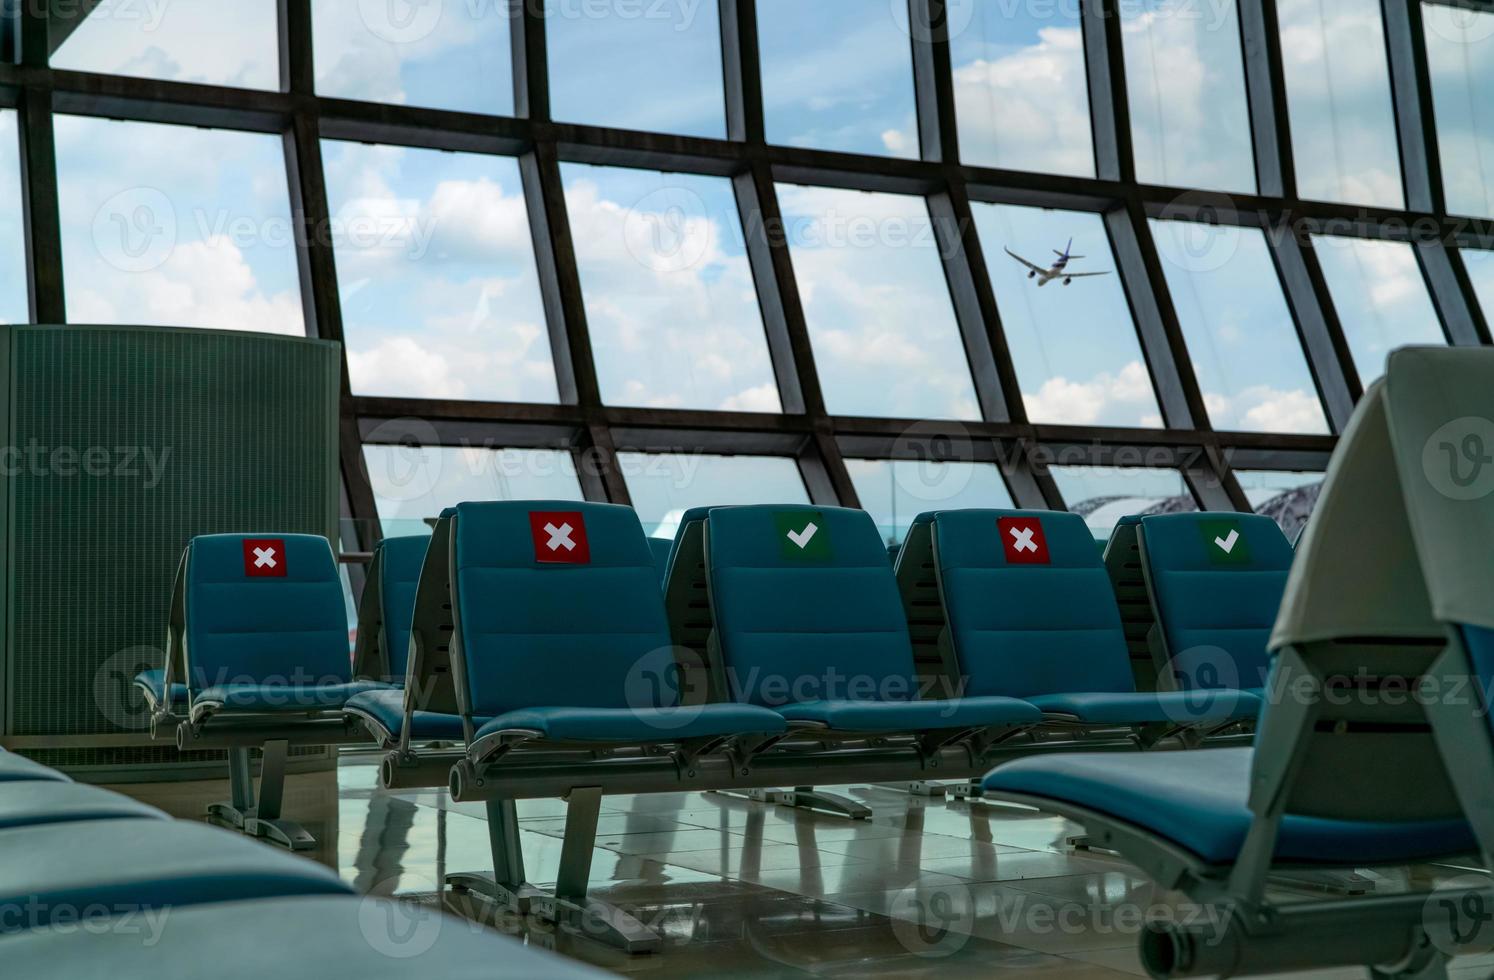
(925, 888)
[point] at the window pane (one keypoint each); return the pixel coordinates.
(632, 65)
(665, 485)
(177, 226)
(1103, 495)
(837, 76)
(896, 491)
(215, 42)
(1075, 346)
(412, 483)
(435, 267)
(13, 295)
(1286, 497)
(1480, 265)
(1021, 92)
(1185, 84)
(885, 338)
(670, 299)
(1338, 100)
(1245, 350)
(442, 54)
(1380, 297)
(1460, 56)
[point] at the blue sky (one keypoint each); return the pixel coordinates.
(435, 267)
(436, 264)
(1380, 296)
(1075, 347)
(1460, 57)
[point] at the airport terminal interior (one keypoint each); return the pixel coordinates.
(746, 488)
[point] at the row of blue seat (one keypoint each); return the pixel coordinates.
(547, 628)
(93, 884)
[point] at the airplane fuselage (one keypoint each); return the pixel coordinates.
(1055, 271)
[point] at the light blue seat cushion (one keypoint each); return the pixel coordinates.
(245, 628)
(399, 570)
(273, 698)
(1216, 616)
(386, 708)
(17, 767)
(143, 864)
(812, 623)
(632, 725)
(152, 683)
(38, 801)
(312, 936)
(540, 632)
(1161, 707)
(1199, 801)
(913, 716)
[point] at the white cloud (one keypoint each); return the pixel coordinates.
(1028, 110)
(1121, 398)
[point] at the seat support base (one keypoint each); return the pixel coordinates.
(805, 798)
(261, 819)
(568, 907)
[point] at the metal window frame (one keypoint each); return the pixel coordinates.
(806, 431)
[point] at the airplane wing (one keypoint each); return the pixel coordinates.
(1081, 275)
(1034, 268)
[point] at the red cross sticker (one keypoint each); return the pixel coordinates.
(1022, 540)
(559, 537)
(264, 557)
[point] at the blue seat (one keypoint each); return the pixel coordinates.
(265, 643)
(631, 725)
(809, 623)
(26, 803)
(1200, 802)
(308, 936)
(573, 639)
(1215, 606)
(1035, 617)
(662, 548)
(17, 768)
(399, 572)
(54, 869)
(152, 685)
(386, 710)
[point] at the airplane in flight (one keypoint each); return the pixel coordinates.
(1059, 269)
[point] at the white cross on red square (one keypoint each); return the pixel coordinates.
(559, 537)
(264, 558)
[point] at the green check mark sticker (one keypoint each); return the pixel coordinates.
(802, 535)
(1223, 542)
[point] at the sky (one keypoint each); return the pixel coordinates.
(436, 267)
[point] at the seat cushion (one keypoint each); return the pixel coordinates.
(1177, 707)
(272, 698)
(1199, 801)
(142, 864)
(913, 716)
(386, 708)
(18, 767)
(38, 801)
(312, 936)
(152, 683)
(640, 724)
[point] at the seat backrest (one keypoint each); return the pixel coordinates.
(806, 606)
(557, 603)
(1122, 557)
(1216, 582)
(687, 606)
(400, 574)
(918, 585)
(264, 609)
(1030, 607)
(661, 548)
